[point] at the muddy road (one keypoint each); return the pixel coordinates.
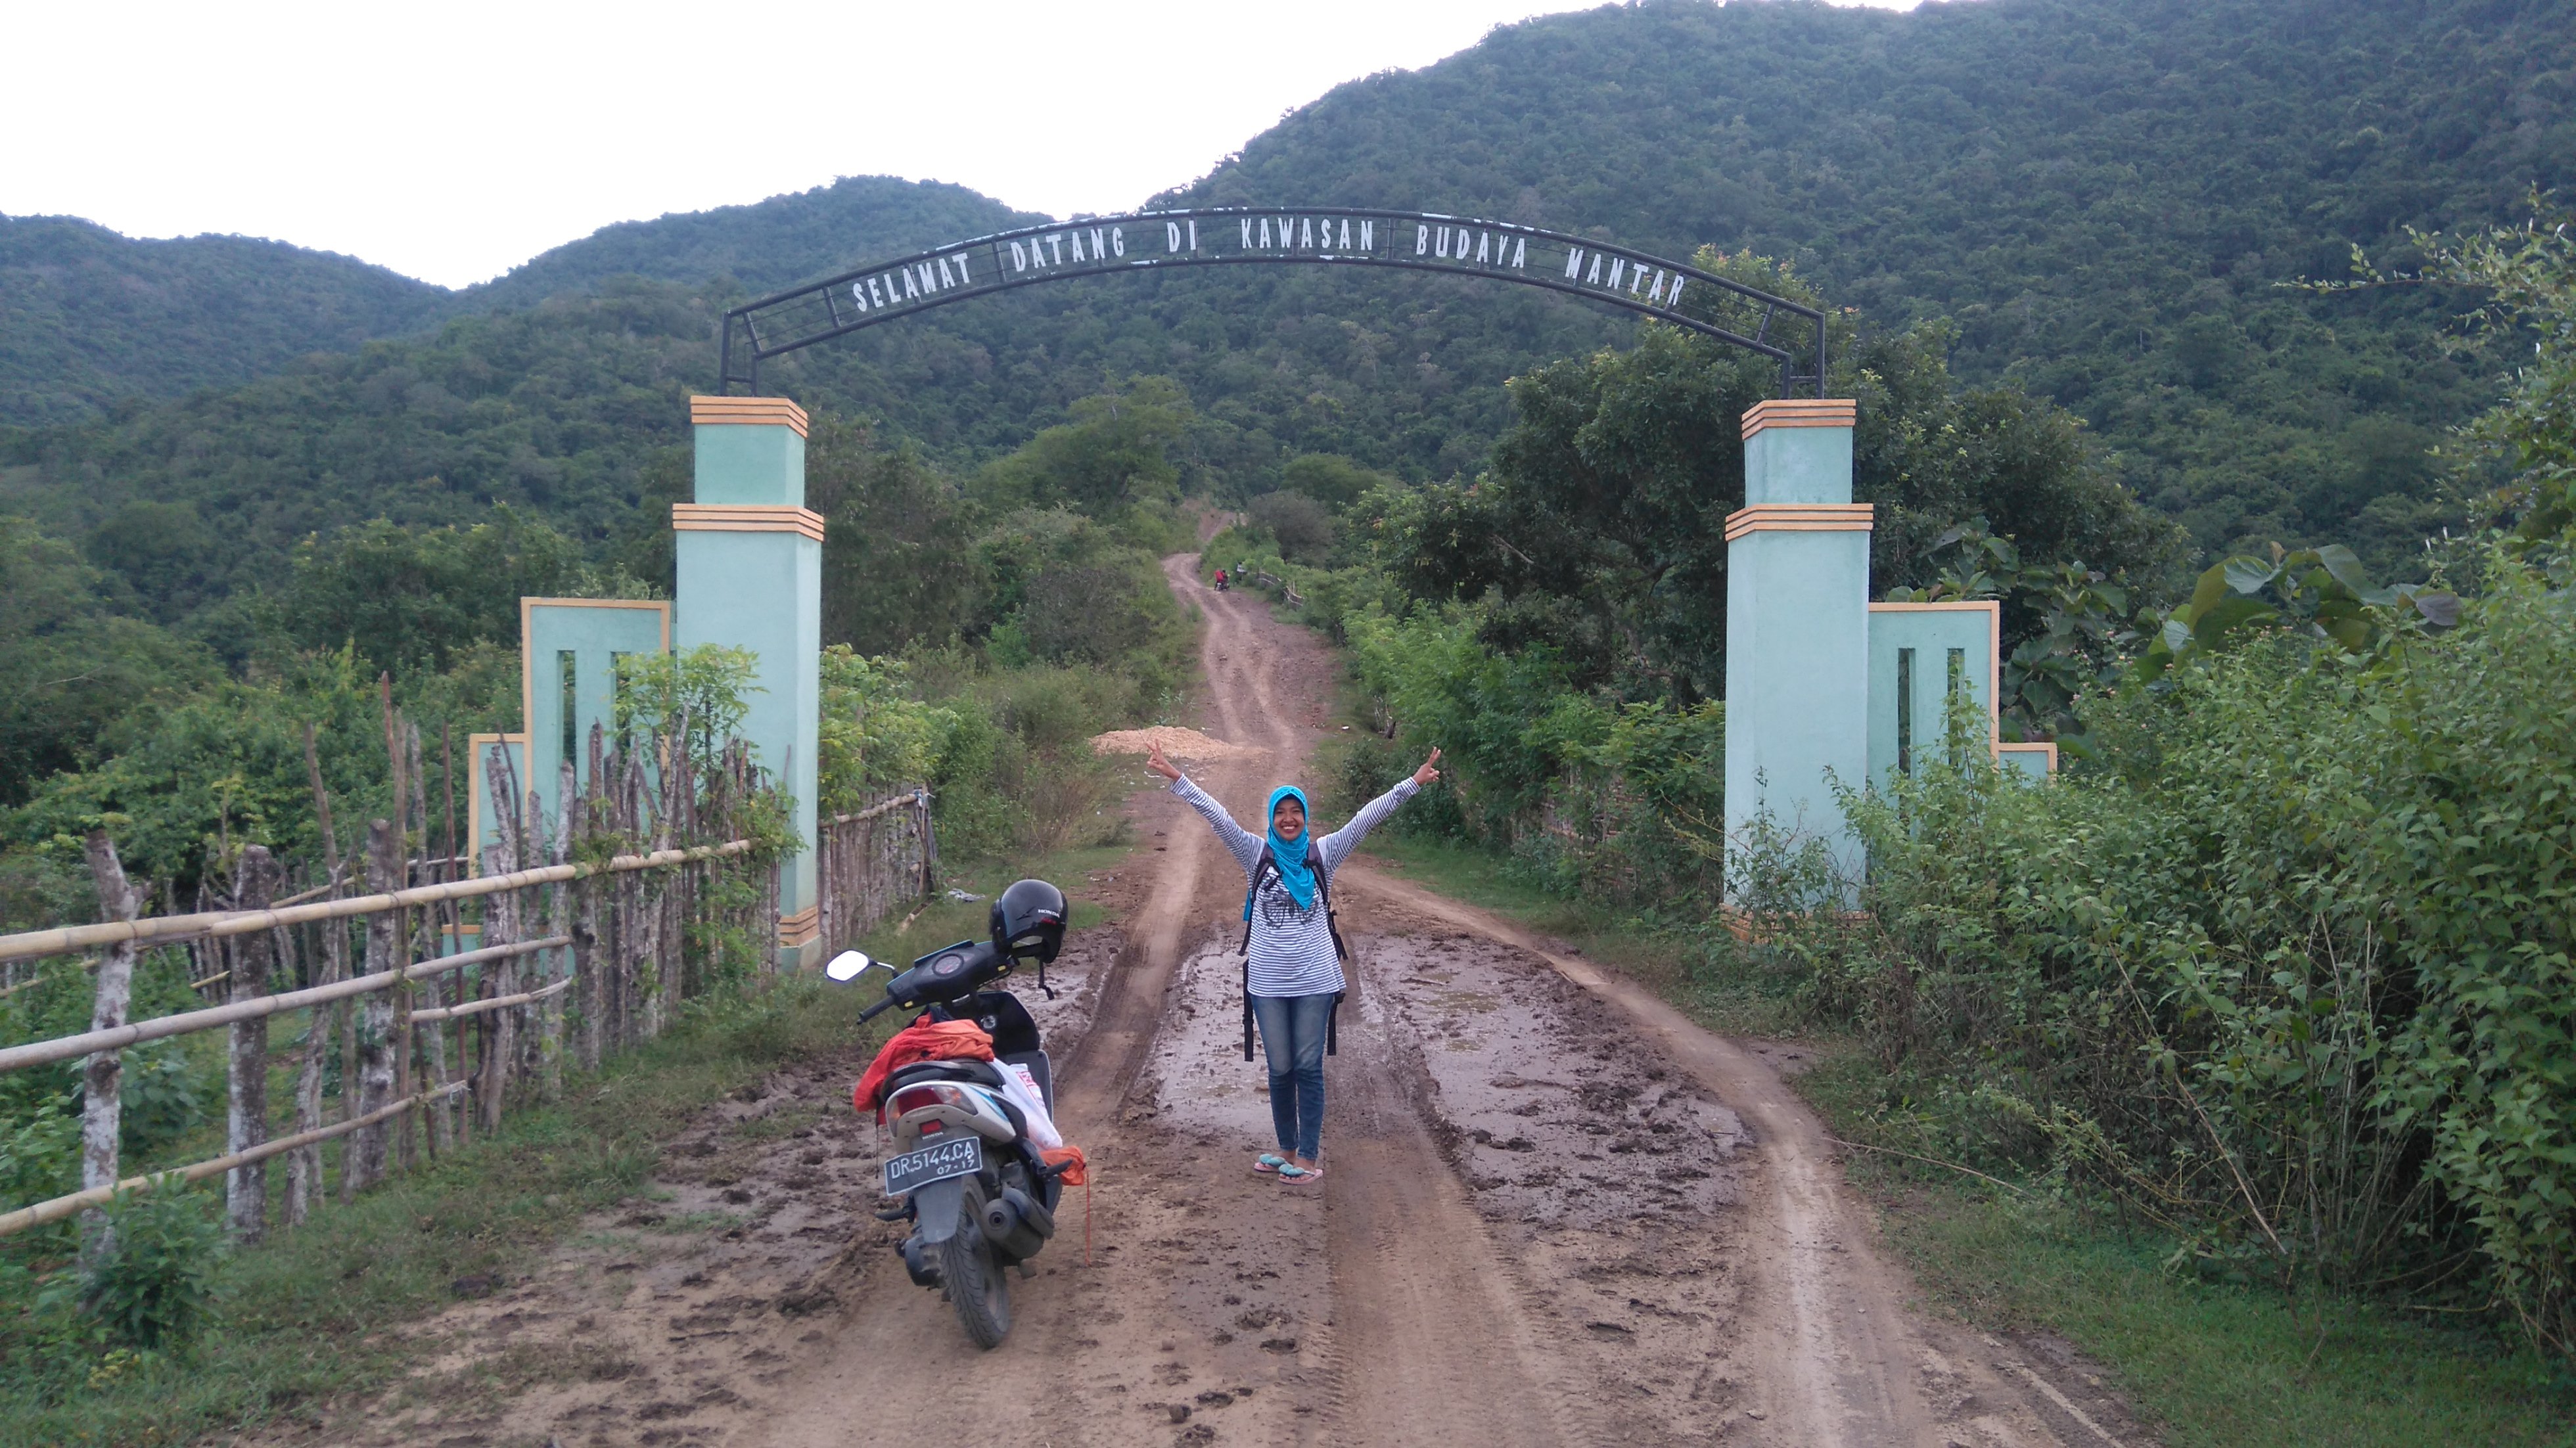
(1555, 1212)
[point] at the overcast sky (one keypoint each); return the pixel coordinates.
(453, 141)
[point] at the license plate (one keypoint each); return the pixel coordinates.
(915, 1169)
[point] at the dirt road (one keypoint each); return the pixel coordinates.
(1556, 1212)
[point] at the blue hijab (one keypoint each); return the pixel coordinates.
(1289, 855)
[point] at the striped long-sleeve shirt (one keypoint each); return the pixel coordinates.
(1292, 949)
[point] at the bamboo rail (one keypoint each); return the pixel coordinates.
(1287, 591)
(217, 924)
(884, 806)
(61, 1207)
(476, 1008)
(64, 1048)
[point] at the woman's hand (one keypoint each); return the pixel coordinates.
(1155, 761)
(1428, 772)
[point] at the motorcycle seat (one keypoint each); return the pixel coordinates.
(980, 1073)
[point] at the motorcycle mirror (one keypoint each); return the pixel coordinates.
(847, 966)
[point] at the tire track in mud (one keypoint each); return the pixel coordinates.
(1421, 1313)
(1824, 1344)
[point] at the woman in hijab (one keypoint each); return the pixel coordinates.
(1293, 974)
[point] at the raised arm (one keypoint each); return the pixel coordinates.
(1337, 846)
(1239, 842)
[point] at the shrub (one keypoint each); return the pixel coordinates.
(1302, 526)
(873, 735)
(157, 1101)
(39, 1155)
(152, 1284)
(2290, 972)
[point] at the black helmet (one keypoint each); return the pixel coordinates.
(1028, 921)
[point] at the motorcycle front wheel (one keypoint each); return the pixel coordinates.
(977, 1282)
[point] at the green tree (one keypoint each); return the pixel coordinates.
(225, 763)
(2528, 274)
(1115, 455)
(874, 735)
(900, 566)
(1600, 528)
(1302, 526)
(698, 695)
(1335, 482)
(70, 666)
(409, 599)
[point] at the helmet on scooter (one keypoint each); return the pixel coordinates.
(1028, 921)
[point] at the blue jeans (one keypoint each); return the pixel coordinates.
(1292, 1036)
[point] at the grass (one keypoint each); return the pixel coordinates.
(2211, 1364)
(300, 1322)
(2220, 1364)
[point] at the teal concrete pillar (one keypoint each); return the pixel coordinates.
(568, 653)
(751, 577)
(1922, 658)
(1797, 628)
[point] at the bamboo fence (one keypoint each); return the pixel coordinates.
(870, 861)
(589, 927)
(1287, 591)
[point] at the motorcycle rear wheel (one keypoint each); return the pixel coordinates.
(978, 1284)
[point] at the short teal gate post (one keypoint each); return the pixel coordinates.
(1797, 629)
(751, 577)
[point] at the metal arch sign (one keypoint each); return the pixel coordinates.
(1230, 236)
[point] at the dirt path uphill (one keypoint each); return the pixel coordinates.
(1555, 1212)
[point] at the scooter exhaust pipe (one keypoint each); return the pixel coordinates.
(1017, 1223)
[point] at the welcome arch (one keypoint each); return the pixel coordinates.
(1786, 331)
(1822, 686)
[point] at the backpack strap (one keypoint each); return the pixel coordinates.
(1260, 866)
(1332, 924)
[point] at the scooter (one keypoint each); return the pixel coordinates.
(966, 1171)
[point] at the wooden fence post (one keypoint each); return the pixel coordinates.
(304, 1165)
(255, 877)
(527, 1043)
(666, 919)
(556, 964)
(504, 918)
(456, 1119)
(419, 1055)
(500, 927)
(103, 1077)
(363, 1161)
(929, 847)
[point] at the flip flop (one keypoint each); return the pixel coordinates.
(1291, 1174)
(1269, 1161)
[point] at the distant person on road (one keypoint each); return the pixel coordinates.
(1293, 970)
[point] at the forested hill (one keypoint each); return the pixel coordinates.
(88, 317)
(763, 247)
(2101, 194)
